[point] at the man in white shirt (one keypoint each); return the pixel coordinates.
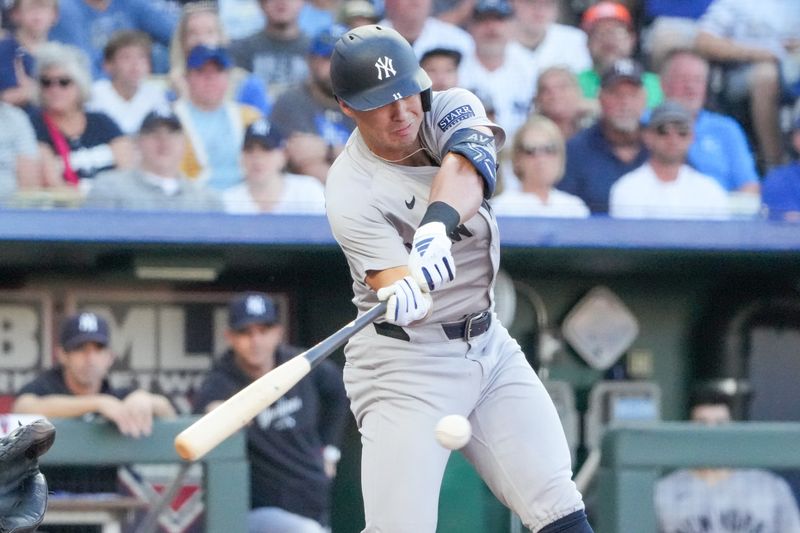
(156, 183)
(500, 68)
(550, 43)
(665, 186)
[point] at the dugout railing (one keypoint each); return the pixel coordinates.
(634, 458)
(225, 478)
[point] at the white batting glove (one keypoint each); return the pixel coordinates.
(406, 302)
(430, 260)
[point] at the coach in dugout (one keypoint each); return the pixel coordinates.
(78, 386)
(292, 445)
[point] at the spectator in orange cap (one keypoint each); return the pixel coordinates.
(611, 36)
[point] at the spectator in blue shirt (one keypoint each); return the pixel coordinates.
(599, 155)
(89, 24)
(781, 191)
(720, 148)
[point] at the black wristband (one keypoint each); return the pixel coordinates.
(444, 213)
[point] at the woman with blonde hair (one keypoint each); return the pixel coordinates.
(76, 144)
(538, 157)
(200, 23)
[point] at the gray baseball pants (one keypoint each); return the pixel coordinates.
(399, 390)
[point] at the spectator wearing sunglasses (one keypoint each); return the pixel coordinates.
(77, 144)
(720, 147)
(538, 160)
(665, 186)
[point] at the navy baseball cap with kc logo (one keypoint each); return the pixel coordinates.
(251, 308)
(77, 330)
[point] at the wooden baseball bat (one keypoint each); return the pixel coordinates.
(233, 414)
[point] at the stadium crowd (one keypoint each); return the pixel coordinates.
(161, 104)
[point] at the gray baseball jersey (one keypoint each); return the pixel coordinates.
(744, 502)
(400, 388)
(368, 197)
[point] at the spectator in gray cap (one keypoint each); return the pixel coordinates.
(665, 186)
(156, 183)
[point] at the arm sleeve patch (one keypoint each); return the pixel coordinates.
(479, 149)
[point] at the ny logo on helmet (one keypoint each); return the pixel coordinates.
(385, 68)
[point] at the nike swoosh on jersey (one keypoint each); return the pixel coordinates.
(410, 203)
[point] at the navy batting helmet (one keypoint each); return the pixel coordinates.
(373, 66)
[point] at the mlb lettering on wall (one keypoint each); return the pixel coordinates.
(163, 341)
(25, 339)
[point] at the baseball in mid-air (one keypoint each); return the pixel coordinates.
(453, 431)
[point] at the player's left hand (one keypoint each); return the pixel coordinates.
(406, 303)
(430, 261)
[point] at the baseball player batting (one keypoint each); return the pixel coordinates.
(407, 202)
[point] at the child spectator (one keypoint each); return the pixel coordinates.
(441, 64)
(32, 22)
(128, 95)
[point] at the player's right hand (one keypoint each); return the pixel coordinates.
(431, 263)
(405, 301)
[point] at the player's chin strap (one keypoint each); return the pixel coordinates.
(572, 523)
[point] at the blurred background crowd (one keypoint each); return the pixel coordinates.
(636, 108)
